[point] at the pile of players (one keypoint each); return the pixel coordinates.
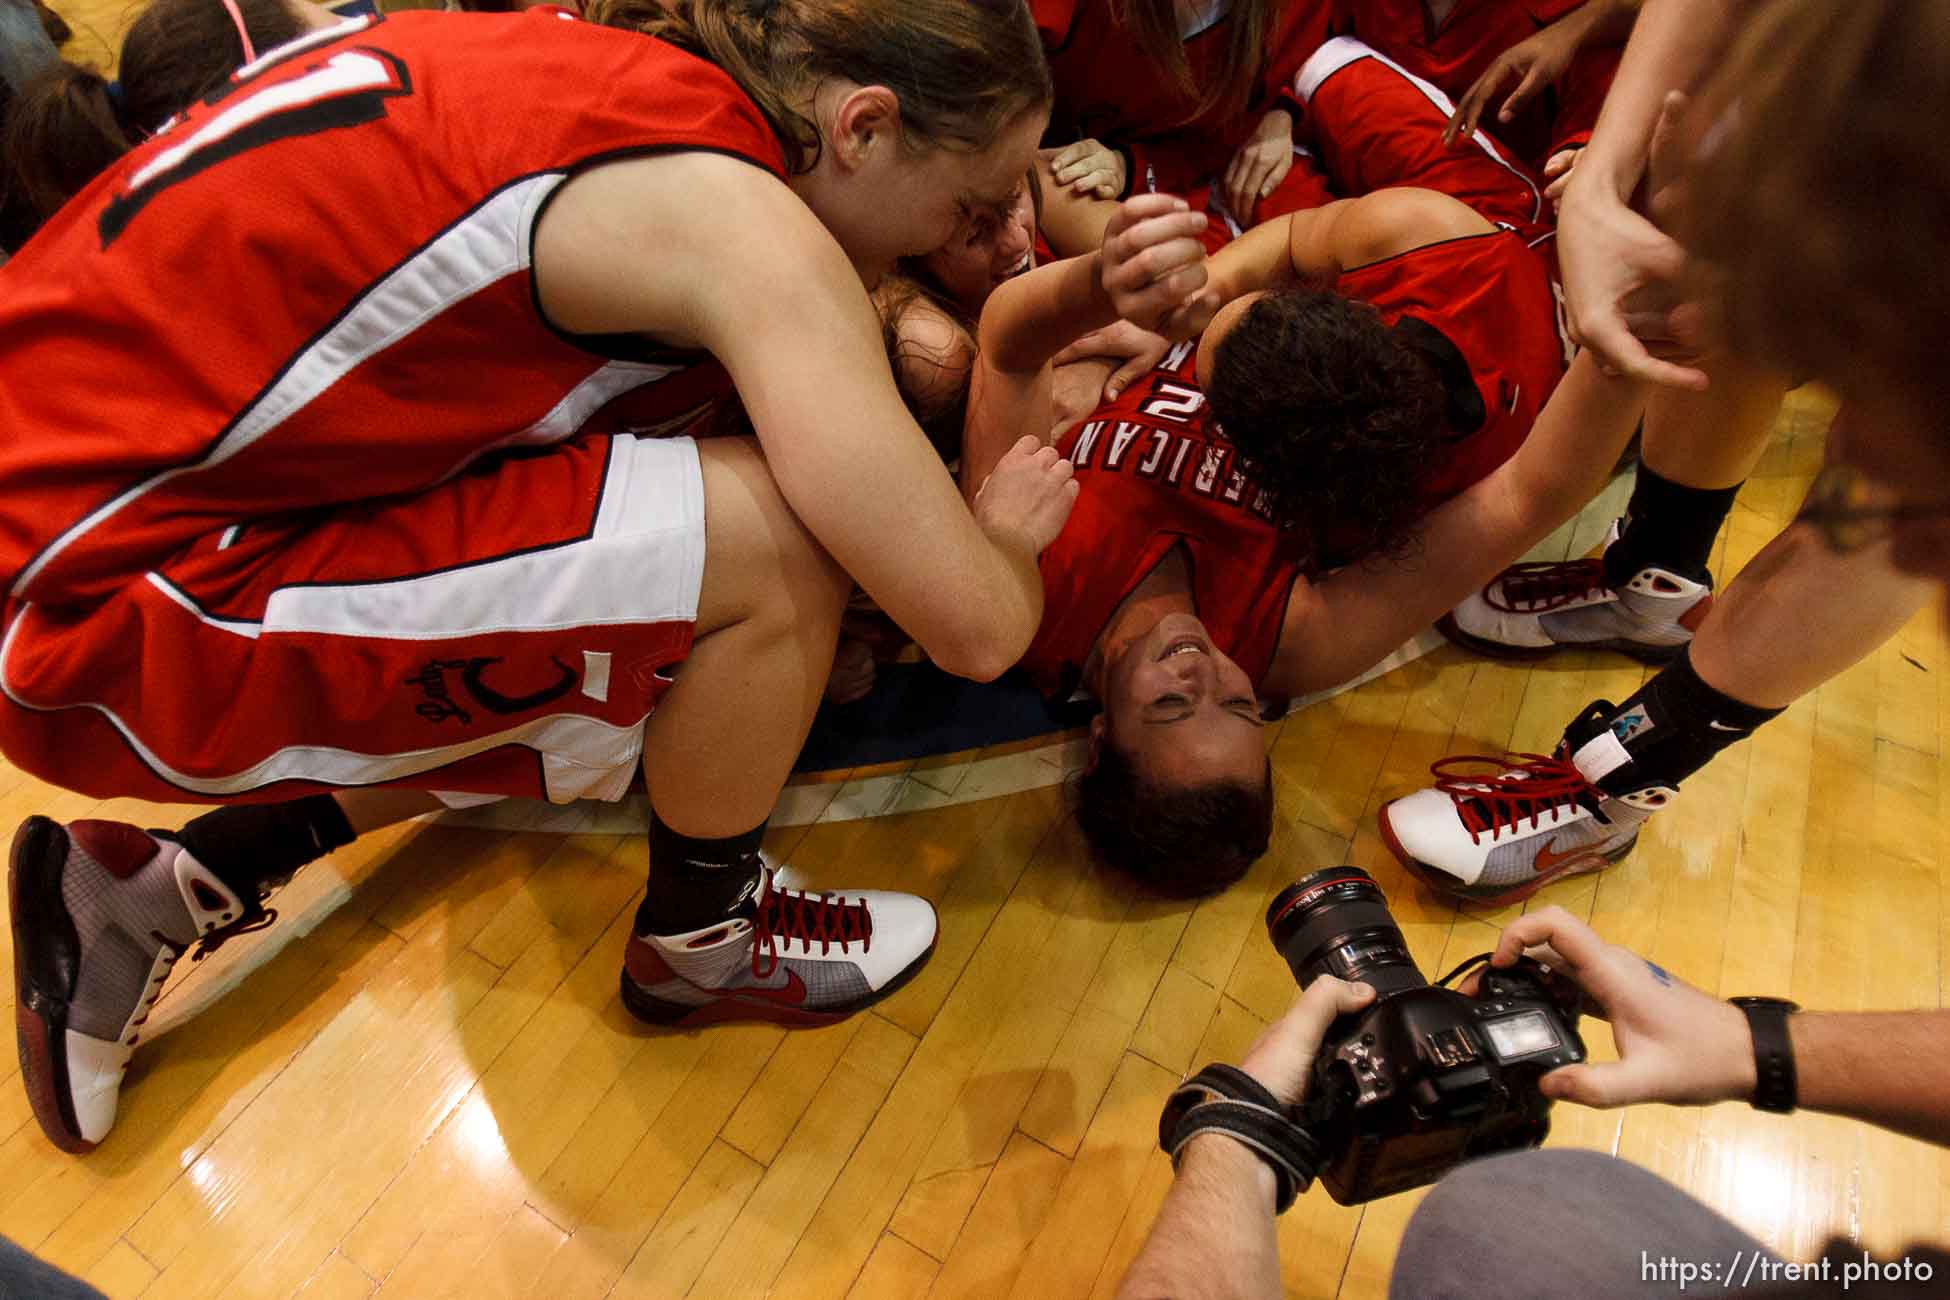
(415, 411)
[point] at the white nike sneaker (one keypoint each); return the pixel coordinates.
(1497, 837)
(1532, 610)
(783, 955)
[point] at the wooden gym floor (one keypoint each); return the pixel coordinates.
(437, 1092)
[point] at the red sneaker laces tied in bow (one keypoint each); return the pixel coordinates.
(788, 914)
(1538, 588)
(1524, 788)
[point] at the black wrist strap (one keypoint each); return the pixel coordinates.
(1774, 1079)
(1222, 1099)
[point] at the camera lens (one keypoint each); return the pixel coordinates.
(1336, 922)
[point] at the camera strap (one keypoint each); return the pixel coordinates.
(1225, 1099)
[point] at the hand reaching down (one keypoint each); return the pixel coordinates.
(1535, 65)
(1260, 165)
(1087, 168)
(1026, 498)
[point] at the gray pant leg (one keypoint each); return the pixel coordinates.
(22, 1277)
(1562, 1223)
(24, 47)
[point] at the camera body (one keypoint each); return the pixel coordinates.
(1423, 1077)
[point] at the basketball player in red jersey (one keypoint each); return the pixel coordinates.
(1184, 589)
(293, 507)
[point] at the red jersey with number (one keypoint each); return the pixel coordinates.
(1454, 53)
(1156, 473)
(1108, 88)
(1488, 296)
(314, 288)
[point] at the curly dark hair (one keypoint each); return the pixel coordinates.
(1334, 416)
(1181, 841)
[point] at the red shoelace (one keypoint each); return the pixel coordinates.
(1538, 588)
(788, 915)
(1523, 788)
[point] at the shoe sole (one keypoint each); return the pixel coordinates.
(1449, 887)
(729, 1008)
(41, 1017)
(1646, 654)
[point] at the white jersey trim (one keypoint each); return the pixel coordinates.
(588, 740)
(643, 562)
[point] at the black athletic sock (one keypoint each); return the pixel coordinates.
(1668, 730)
(693, 881)
(1670, 526)
(255, 847)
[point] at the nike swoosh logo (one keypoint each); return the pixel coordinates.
(1720, 726)
(1546, 858)
(792, 993)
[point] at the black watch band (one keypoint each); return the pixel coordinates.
(1774, 1083)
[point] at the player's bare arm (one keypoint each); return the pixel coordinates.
(1337, 627)
(1320, 243)
(1390, 222)
(792, 323)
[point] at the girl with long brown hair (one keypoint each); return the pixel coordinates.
(1184, 97)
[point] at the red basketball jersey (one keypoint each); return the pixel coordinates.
(1156, 473)
(314, 288)
(1490, 297)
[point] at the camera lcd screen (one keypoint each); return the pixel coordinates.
(1520, 1035)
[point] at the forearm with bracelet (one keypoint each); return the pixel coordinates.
(1225, 1099)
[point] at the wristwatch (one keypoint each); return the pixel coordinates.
(1773, 1052)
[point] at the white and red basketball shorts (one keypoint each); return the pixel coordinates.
(1374, 125)
(504, 633)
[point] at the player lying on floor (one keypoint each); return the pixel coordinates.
(1185, 590)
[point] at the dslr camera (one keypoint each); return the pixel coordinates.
(1423, 1077)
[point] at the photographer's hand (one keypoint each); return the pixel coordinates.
(1675, 1043)
(1282, 1057)
(1214, 1234)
